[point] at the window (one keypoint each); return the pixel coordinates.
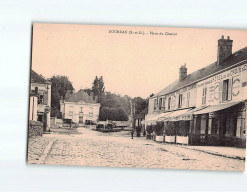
(81, 109)
(180, 101)
(164, 103)
(40, 98)
(188, 99)
(169, 103)
(155, 104)
(227, 90)
(160, 103)
(204, 95)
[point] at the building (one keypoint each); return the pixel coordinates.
(80, 107)
(40, 99)
(139, 118)
(208, 105)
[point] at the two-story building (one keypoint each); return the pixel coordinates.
(80, 107)
(40, 99)
(209, 105)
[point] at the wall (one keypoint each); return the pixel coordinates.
(44, 89)
(33, 108)
(35, 128)
(175, 98)
(238, 77)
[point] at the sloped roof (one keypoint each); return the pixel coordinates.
(236, 57)
(36, 78)
(79, 96)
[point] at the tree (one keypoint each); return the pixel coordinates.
(140, 104)
(60, 86)
(98, 88)
(115, 114)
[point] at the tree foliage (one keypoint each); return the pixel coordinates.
(60, 86)
(114, 106)
(115, 114)
(140, 104)
(98, 88)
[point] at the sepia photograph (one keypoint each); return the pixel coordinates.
(137, 97)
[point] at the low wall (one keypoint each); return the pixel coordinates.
(35, 128)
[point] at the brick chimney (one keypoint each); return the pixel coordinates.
(182, 72)
(224, 49)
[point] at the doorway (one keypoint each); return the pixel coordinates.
(80, 119)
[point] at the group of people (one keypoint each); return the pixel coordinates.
(133, 131)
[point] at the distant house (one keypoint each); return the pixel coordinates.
(40, 99)
(139, 118)
(80, 107)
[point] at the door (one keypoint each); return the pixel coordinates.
(80, 119)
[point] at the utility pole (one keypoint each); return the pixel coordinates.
(132, 112)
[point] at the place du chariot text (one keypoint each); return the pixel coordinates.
(140, 32)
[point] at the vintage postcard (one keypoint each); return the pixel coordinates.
(139, 97)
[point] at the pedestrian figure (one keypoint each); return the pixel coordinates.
(132, 133)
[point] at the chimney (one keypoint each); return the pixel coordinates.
(224, 49)
(182, 72)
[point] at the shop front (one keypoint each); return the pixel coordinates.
(220, 125)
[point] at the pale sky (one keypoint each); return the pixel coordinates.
(131, 64)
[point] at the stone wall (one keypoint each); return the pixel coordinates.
(35, 128)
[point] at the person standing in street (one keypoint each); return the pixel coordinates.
(132, 134)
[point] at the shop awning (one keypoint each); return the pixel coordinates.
(163, 116)
(151, 120)
(215, 108)
(175, 116)
(189, 115)
(157, 118)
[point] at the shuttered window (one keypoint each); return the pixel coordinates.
(227, 90)
(218, 92)
(155, 104)
(180, 101)
(46, 98)
(160, 103)
(188, 99)
(230, 89)
(204, 95)
(169, 103)
(164, 103)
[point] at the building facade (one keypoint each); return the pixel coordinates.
(80, 107)
(208, 105)
(40, 100)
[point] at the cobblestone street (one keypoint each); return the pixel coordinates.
(92, 148)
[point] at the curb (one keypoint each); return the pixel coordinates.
(46, 152)
(216, 154)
